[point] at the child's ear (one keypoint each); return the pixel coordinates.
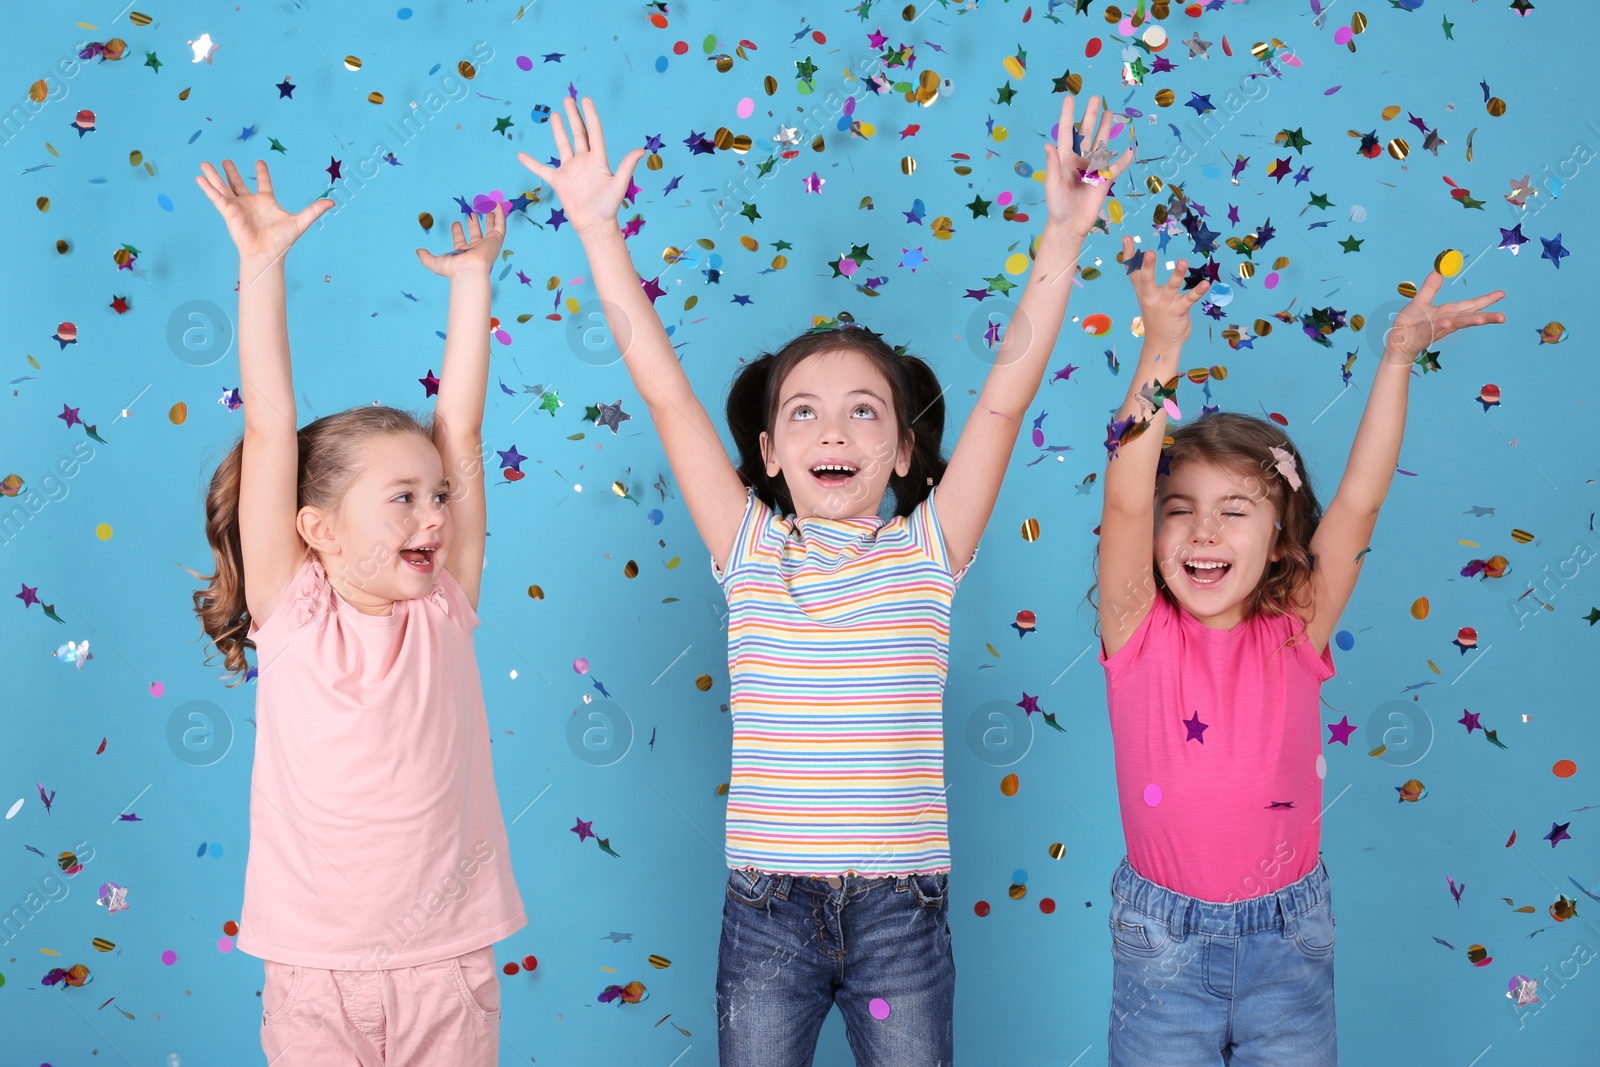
(767, 458)
(316, 529)
(902, 459)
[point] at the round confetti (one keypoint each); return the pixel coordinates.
(510, 968)
(530, 962)
(580, 665)
(1057, 850)
(703, 683)
(403, 13)
(536, 592)
(1009, 784)
(746, 108)
(1017, 891)
(164, 201)
(1017, 263)
(169, 957)
(1271, 280)
(1496, 106)
(224, 944)
(879, 1008)
(103, 531)
(1220, 294)
(654, 516)
(158, 689)
(1564, 768)
(1030, 530)
(1019, 876)
(524, 63)
(1047, 905)
(1152, 794)
(214, 850)
(1449, 263)
(1419, 608)
(1343, 35)
(981, 908)
(230, 928)
(661, 64)
(1345, 640)
(1092, 49)
(1097, 324)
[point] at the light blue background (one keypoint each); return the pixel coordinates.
(1033, 988)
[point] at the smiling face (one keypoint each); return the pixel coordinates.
(835, 438)
(1214, 539)
(386, 540)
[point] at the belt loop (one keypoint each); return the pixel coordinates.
(1286, 912)
(1179, 920)
(782, 890)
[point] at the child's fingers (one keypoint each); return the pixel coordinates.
(457, 237)
(1477, 303)
(235, 182)
(542, 172)
(214, 180)
(312, 212)
(1121, 163)
(1194, 295)
(563, 144)
(580, 135)
(1069, 107)
(474, 230)
(263, 179)
(591, 119)
(213, 194)
(626, 167)
(1430, 287)
(1179, 273)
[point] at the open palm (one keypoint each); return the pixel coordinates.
(259, 226)
(477, 254)
(590, 193)
(1421, 323)
(1075, 185)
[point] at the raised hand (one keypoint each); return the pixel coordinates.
(1073, 198)
(590, 193)
(260, 228)
(1421, 323)
(478, 254)
(1166, 308)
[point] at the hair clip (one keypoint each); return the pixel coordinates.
(1284, 461)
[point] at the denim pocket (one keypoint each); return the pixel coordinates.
(750, 887)
(1314, 931)
(1136, 933)
(928, 890)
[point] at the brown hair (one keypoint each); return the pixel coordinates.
(330, 460)
(1243, 444)
(915, 394)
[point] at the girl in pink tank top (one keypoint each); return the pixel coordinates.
(1221, 580)
(349, 554)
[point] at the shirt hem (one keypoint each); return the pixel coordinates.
(396, 961)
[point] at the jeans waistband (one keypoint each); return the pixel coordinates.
(1182, 913)
(850, 882)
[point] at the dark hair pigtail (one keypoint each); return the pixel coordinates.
(747, 412)
(924, 417)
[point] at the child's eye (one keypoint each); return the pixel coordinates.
(801, 412)
(872, 412)
(442, 497)
(403, 498)
(1236, 514)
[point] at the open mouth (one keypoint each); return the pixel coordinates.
(833, 475)
(1206, 572)
(419, 559)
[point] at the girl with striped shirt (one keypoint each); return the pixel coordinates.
(838, 627)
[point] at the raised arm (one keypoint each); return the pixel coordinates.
(463, 380)
(1348, 521)
(263, 232)
(590, 195)
(1075, 189)
(1127, 521)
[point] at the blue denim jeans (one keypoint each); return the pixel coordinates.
(793, 947)
(1248, 984)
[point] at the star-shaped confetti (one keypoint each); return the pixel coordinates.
(430, 383)
(1469, 719)
(611, 416)
(550, 402)
(1029, 704)
(582, 829)
(501, 125)
(1558, 833)
(1201, 104)
(1350, 244)
(1553, 250)
(29, 595)
(1340, 731)
(152, 62)
(1295, 138)
(120, 305)
(979, 206)
(70, 416)
(1512, 239)
(204, 48)
(286, 89)
(333, 168)
(511, 459)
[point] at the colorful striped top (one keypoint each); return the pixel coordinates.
(838, 647)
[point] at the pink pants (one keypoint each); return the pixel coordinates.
(444, 1013)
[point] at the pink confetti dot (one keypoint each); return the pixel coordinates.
(1152, 794)
(746, 108)
(224, 944)
(1004, 199)
(158, 690)
(503, 337)
(483, 204)
(1271, 280)
(879, 1008)
(524, 63)
(1343, 34)
(580, 665)
(169, 957)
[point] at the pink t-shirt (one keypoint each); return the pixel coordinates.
(376, 839)
(1217, 734)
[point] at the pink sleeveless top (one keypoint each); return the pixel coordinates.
(376, 839)
(1217, 736)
